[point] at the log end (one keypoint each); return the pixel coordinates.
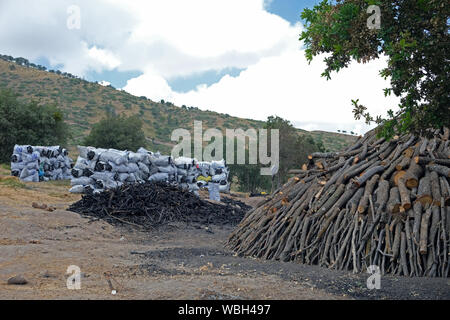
(412, 183)
(425, 199)
(406, 206)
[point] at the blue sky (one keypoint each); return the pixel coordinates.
(290, 9)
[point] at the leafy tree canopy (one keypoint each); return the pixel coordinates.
(29, 123)
(293, 152)
(413, 35)
(117, 132)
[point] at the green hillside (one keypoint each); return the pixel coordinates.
(84, 103)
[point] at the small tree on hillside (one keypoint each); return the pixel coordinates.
(117, 132)
(29, 123)
(293, 148)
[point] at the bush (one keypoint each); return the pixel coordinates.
(117, 132)
(28, 123)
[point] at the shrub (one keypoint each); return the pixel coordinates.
(29, 123)
(118, 132)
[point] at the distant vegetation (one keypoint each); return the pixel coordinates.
(84, 103)
(293, 149)
(29, 123)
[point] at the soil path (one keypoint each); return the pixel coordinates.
(176, 262)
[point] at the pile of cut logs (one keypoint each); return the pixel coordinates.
(379, 203)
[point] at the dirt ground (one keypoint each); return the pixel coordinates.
(175, 262)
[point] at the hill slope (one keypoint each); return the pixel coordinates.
(85, 103)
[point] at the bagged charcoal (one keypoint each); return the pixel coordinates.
(193, 188)
(115, 156)
(30, 157)
(109, 184)
(190, 179)
(104, 176)
(137, 157)
(15, 173)
(219, 177)
(56, 174)
(31, 178)
(119, 168)
(77, 173)
(87, 172)
(68, 162)
(131, 178)
(143, 167)
(161, 161)
(85, 181)
(132, 167)
(18, 166)
(122, 177)
(213, 189)
(66, 175)
(201, 184)
(124, 168)
(26, 173)
(81, 163)
(49, 162)
(103, 166)
(99, 184)
(89, 153)
(160, 176)
(77, 189)
(60, 159)
(32, 165)
(184, 162)
(145, 151)
(204, 168)
(16, 158)
(153, 170)
(140, 176)
(17, 149)
(168, 169)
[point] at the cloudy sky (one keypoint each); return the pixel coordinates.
(240, 57)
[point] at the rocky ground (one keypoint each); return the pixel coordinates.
(174, 262)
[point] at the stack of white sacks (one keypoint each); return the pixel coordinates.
(53, 163)
(99, 169)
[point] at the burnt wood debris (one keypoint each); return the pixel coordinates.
(382, 203)
(151, 204)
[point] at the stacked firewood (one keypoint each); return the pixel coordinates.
(379, 203)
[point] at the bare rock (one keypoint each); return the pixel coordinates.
(17, 280)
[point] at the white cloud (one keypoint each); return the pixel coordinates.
(289, 87)
(149, 85)
(103, 57)
(104, 83)
(171, 38)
